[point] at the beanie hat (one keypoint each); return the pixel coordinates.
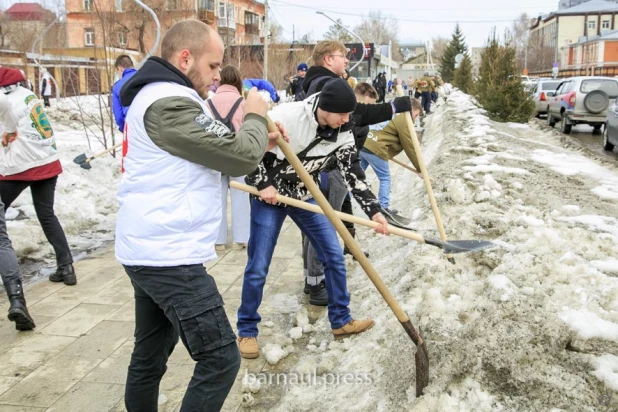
(337, 97)
(9, 77)
(303, 67)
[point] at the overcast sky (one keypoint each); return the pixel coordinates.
(418, 20)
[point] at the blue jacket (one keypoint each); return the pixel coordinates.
(262, 84)
(120, 111)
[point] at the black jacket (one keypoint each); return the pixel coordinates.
(363, 116)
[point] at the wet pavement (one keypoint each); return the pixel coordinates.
(582, 135)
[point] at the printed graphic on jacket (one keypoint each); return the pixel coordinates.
(39, 119)
(281, 175)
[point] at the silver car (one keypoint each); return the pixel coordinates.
(582, 100)
(539, 94)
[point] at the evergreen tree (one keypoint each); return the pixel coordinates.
(499, 89)
(456, 46)
(337, 32)
(463, 76)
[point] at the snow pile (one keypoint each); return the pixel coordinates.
(274, 353)
(85, 201)
(516, 328)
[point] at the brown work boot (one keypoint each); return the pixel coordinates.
(353, 328)
(248, 348)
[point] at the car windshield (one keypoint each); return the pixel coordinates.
(609, 86)
(550, 85)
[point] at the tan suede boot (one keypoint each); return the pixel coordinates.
(354, 327)
(249, 348)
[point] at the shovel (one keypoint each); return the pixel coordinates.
(451, 246)
(84, 162)
(424, 175)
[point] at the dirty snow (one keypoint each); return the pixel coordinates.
(529, 326)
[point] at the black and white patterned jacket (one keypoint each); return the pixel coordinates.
(335, 145)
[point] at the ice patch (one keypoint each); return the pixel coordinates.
(518, 126)
(274, 353)
(296, 333)
(285, 303)
(589, 325)
(530, 220)
(606, 370)
(504, 284)
(594, 222)
(609, 265)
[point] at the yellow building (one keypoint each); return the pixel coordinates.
(553, 33)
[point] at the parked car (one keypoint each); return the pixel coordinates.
(539, 94)
(581, 100)
(610, 132)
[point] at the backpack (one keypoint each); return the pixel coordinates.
(316, 86)
(228, 119)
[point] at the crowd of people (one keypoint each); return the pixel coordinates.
(185, 141)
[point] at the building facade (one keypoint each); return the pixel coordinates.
(551, 33)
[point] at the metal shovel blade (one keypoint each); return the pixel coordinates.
(421, 358)
(461, 246)
(80, 159)
(86, 165)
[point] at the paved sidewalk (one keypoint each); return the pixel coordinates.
(77, 358)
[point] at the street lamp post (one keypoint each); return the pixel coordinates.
(351, 33)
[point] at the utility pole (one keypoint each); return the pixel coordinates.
(293, 35)
(266, 34)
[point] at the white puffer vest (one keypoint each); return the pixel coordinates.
(170, 208)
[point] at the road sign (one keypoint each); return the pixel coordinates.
(555, 64)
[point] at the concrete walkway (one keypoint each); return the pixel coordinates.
(77, 358)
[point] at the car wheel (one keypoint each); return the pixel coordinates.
(606, 144)
(550, 120)
(564, 126)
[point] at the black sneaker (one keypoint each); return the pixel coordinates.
(64, 274)
(318, 295)
(346, 251)
(307, 288)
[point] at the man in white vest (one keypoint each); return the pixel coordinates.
(170, 209)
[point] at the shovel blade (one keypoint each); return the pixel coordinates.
(466, 246)
(421, 358)
(85, 165)
(80, 159)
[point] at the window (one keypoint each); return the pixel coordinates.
(172, 4)
(221, 13)
(252, 23)
(88, 4)
(89, 37)
(592, 24)
(609, 86)
(605, 24)
(206, 5)
(122, 38)
(118, 5)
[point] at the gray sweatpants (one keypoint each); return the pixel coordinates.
(336, 193)
(9, 268)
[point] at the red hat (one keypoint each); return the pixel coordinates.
(10, 76)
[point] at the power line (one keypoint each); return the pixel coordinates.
(423, 9)
(284, 4)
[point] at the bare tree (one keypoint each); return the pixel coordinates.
(379, 29)
(338, 32)
(438, 46)
(519, 39)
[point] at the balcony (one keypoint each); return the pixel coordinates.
(207, 16)
(223, 23)
(252, 29)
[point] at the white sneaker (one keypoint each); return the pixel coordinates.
(219, 248)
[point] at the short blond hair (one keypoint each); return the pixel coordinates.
(326, 47)
(192, 35)
(365, 89)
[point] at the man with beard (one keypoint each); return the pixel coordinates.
(170, 209)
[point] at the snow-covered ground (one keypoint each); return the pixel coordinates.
(85, 200)
(529, 326)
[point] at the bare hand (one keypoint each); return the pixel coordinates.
(255, 104)
(383, 227)
(8, 138)
(272, 136)
(269, 195)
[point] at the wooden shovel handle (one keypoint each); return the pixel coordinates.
(339, 226)
(343, 216)
(424, 174)
(116, 146)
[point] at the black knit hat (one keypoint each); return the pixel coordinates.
(337, 97)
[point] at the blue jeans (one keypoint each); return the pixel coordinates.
(380, 167)
(266, 222)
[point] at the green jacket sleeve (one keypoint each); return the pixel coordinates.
(405, 138)
(179, 126)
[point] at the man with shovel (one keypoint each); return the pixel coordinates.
(320, 129)
(382, 145)
(170, 210)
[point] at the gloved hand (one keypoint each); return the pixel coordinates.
(402, 104)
